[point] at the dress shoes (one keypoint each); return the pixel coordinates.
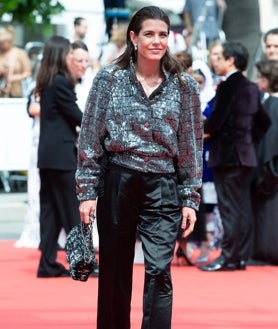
(218, 265)
(202, 259)
(241, 265)
(221, 265)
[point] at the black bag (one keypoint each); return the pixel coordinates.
(80, 251)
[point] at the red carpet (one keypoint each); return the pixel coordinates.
(222, 300)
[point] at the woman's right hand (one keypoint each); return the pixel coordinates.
(87, 211)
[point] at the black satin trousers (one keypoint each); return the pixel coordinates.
(150, 204)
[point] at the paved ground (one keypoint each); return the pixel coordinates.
(12, 211)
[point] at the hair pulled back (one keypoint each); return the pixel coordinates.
(135, 25)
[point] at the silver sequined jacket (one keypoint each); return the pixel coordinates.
(159, 134)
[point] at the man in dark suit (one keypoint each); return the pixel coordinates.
(271, 44)
(232, 155)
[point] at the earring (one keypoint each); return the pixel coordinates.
(135, 47)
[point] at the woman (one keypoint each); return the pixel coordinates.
(116, 44)
(265, 183)
(57, 154)
(15, 65)
(142, 116)
(30, 236)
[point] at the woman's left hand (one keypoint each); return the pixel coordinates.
(188, 221)
(87, 211)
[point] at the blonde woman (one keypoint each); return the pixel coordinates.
(15, 65)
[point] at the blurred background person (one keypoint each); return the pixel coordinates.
(81, 26)
(116, 45)
(232, 156)
(214, 52)
(265, 181)
(202, 21)
(57, 153)
(15, 66)
(176, 42)
(202, 74)
(110, 19)
(184, 59)
(80, 68)
(29, 236)
(271, 44)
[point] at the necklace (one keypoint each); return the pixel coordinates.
(150, 84)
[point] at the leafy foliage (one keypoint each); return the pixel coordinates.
(31, 12)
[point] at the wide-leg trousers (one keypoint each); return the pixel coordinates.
(149, 203)
(58, 209)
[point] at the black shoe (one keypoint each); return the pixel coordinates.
(241, 265)
(95, 272)
(218, 265)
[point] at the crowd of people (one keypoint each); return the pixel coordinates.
(152, 144)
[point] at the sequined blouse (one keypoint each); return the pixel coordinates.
(162, 133)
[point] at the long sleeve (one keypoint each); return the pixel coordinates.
(159, 134)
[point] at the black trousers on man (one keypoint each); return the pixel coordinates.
(233, 192)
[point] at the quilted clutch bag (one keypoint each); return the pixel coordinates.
(80, 251)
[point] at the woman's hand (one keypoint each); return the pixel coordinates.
(34, 109)
(87, 211)
(188, 221)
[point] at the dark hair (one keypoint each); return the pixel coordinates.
(268, 68)
(79, 45)
(238, 52)
(78, 20)
(135, 25)
(53, 62)
(272, 31)
(184, 58)
(199, 72)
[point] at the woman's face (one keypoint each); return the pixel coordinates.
(79, 62)
(200, 79)
(5, 44)
(152, 40)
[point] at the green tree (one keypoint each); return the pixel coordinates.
(31, 12)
